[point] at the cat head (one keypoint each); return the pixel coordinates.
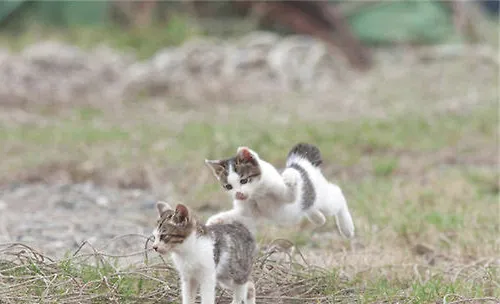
(173, 227)
(238, 175)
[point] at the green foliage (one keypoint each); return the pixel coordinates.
(141, 41)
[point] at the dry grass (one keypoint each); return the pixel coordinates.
(28, 276)
(96, 277)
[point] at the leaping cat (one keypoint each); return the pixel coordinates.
(259, 191)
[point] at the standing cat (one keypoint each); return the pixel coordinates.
(206, 255)
(260, 191)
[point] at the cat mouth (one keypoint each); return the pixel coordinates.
(240, 196)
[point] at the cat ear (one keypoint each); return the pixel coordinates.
(216, 166)
(162, 206)
(246, 154)
(181, 213)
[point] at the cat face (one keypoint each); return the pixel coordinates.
(238, 175)
(173, 227)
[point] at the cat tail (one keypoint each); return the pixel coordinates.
(304, 151)
(338, 206)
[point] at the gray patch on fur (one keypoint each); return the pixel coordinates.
(238, 243)
(308, 191)
(307, 151)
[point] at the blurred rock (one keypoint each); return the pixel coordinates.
(54, 72)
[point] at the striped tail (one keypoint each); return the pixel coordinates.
(304, 151)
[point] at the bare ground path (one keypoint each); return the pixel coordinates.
(58, 218)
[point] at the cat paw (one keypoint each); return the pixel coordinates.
(214, 221)
(290, 178)
(316, 217)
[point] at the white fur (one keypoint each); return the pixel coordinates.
(194, 261)
(278, 198)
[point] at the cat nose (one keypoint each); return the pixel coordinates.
(155, 247)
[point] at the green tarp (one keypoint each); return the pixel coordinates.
(402, 21)
(58, 13)
(8, 7)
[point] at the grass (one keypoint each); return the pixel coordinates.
(422, 184)
(412, 183)
(84, 128)
(98, 278)
(141, 41)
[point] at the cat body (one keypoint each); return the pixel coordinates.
(259, 191)
(205, 256)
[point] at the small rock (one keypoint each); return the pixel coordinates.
(150, 204)
(65, 204)
(102, 201)
(27, 238)
(58, 244)
(422, 249)
(136, 193)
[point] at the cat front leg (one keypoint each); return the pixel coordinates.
(224, 217)
(189, 287)
(234, 215)
(207, 289)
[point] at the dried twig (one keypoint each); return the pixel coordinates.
(469, 300)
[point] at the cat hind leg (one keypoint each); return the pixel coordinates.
(336, 205)
(344, 223)
(250, 293)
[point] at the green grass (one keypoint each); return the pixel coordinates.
(142, 42)
(341, 142)
(384, 166)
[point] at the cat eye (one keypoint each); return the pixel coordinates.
(167, 236)
(243, 181)
(228, 186)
